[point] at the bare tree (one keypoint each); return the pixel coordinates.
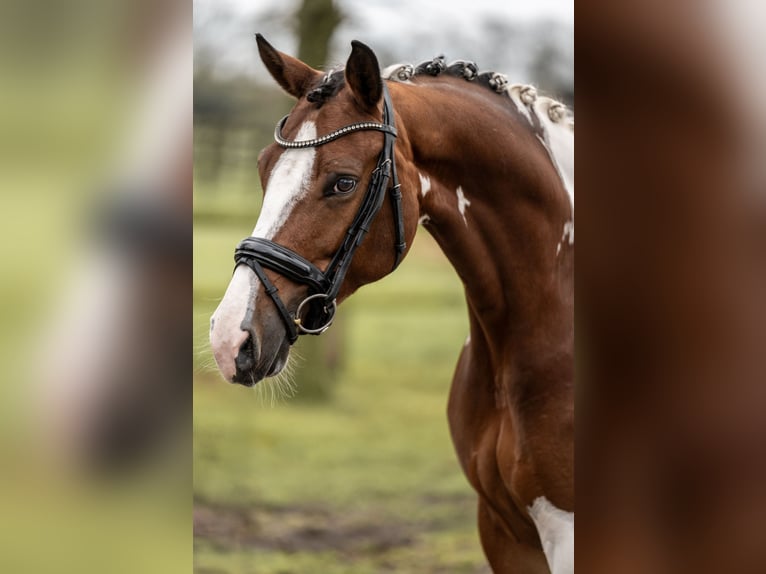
(316, 22)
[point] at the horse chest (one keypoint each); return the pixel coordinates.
(488, 446)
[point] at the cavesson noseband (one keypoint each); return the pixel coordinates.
(315, 313)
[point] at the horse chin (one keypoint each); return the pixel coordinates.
(279, 360)
(272, 358)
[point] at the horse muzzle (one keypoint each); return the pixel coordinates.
(248, 339)
(255, 362)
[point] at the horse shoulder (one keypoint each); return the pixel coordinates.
(484, 438)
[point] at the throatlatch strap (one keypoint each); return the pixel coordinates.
(396, 207)
(396, 193)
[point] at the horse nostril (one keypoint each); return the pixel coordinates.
(246, 357)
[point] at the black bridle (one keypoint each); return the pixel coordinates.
(320, 304)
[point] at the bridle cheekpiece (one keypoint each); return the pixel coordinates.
(315, 313)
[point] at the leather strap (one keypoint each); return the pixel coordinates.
(282, 260)
(273, 292)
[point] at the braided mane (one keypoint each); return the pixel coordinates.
(525, 96)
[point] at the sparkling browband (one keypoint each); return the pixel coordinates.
(361, 126)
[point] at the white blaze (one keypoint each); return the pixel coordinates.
(556, 530)
(288, 184)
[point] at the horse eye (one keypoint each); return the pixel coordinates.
(344, 185)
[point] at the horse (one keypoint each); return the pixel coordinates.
(486, 166)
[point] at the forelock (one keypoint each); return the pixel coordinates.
(327, 87)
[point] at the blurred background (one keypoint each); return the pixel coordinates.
(349, 468)
(95, 208)
(671, 285)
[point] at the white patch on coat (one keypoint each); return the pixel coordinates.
(424, 219)
(558, 139)
(288, 184)
(567, 236)
(462, 203)
(425, 184)
(568, 232)
(556, 530)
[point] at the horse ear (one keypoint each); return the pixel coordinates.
(295, 77)
(363, 76)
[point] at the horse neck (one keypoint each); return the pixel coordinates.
(493, 200)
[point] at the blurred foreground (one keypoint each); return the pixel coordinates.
(95, 173)
(671, 287)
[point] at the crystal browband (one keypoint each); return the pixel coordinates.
(358, 127)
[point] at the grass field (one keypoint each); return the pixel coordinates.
(364, 482)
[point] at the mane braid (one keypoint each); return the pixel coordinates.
(432, 67)
(463, 69)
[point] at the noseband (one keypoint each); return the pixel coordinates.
(315, 313)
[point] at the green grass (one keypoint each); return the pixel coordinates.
(364, 482)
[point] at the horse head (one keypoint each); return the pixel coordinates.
(327, 182)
